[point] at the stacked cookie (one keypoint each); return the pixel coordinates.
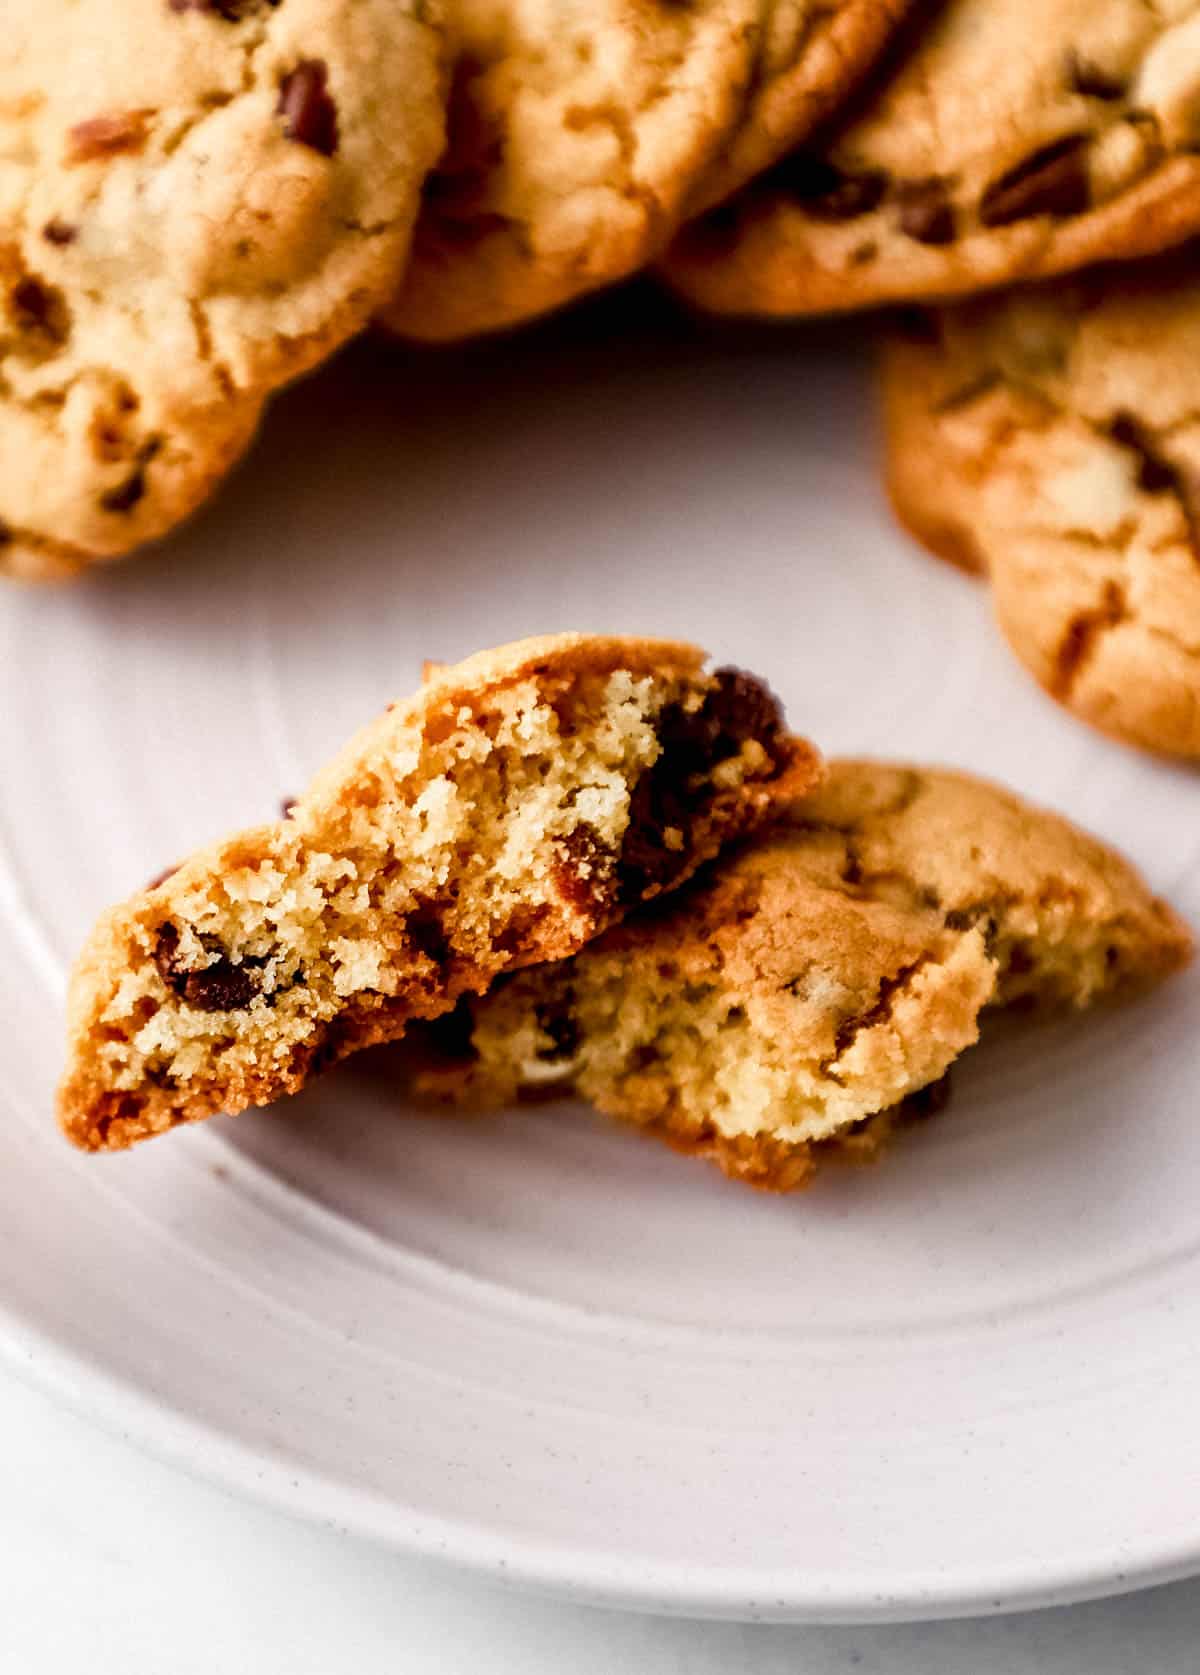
(589, 863)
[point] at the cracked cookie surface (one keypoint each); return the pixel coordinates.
(198, 200)
(784, 1004)
(1006, 140)
(1051, 439)
(582, 132)
(519, 804)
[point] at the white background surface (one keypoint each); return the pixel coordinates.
(115, 1565)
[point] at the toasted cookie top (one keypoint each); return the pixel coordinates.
(581, 134)
(1008, 139)
(198, 199)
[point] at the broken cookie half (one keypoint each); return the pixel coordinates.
(791, 999)
(512, 810)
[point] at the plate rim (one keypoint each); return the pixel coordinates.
(81, 1383)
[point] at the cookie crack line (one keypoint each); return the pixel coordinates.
(881, 1011)
(1083, 634)
(206, 351)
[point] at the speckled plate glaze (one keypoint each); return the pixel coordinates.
(534, 1344)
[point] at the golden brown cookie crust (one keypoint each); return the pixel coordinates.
(197, 203)
(581, 136)
(517, 805)
(1008, 141)
(1051, 439)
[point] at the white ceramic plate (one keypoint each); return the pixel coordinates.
(536, 1344)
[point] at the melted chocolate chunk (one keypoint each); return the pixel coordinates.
(40, 308)
(59, 232)
(1052, 181)
(924, 211)
(309, 114)
(220, 987)
(736, 708)
(125, 496)
(827, 193)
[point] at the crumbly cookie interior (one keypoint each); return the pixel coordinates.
(512, 830)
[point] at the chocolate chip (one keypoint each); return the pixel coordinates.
(106, 136)
(40, 308)
(125, 496)
(6, 535)
(556, 1021)
(219, 987)
(59, 232)
(309, 114)
(1053, 181)
(1086, 77)
(827, 192)
(924, 211)
(981, 913)
(1154, 474)
(742, 707)
(287, 807)
(668, 797)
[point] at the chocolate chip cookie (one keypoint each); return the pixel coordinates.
(582, 134)
(1050, 438)
(519, 804)
(198, 200)
(788, 1000)
(1007, 140)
